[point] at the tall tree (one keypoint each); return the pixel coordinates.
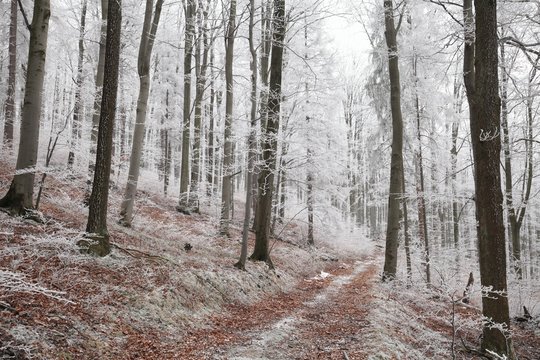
(12, 77)
(77, 107)
(201, 66)
(19, 198)
(396, 162)
(480, 69)
(269, 142)
(96, 227)
(185, 204)
(228, 155)
(252, 141)
(99, 87)
(150, 25)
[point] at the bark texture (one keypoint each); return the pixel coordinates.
(269, 142)
(19, 198)
(396, 162)
(482, 86)
(185, 205)
(228, 155)
(96, 227)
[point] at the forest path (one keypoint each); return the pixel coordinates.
(322, 318)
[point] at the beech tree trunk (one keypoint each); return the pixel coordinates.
(252, 143)
(151, 22)
(269, 142)
(185, 205)
(228, 160)
(19, 198)
(482, 84)
(201, 67)
(96, 228)
(396, 163)
(77, 107)
(210, 161)
(12, 77)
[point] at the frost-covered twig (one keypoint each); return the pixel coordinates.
(16, 282)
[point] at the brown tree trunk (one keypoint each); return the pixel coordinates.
(96, 228)
(396, 163)
(482, 86)
(185, 205)
(12, 77)
(19, 197)
(226, 192)
(269, 142)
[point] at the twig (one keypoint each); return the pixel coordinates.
(130, 252)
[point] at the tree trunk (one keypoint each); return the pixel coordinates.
(453, 160)
(420, 188)
(96, 228)
(252, 144)
(99, 85)
(309, 200)
(12, 78)
(269, 143)
(201, 68)
(77, 107)
(19, 197)
(481, 79)
(151, 22)
(396, 163)
(226, 192)
(406, 228)
(165, 146)
(185, 205)
(210, 165)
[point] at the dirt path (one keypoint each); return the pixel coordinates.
(321, 319)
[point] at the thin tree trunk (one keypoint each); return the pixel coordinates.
(77, 107)
(453, 160)
(96, 227)
(420, 188)
(201, 68)
(12, 78)
(396, 163)
(99, 86)
(151, 22)
(210, 143)
(226, 192)
(406, 229)
(252, 144)
(19, 197)
(165, 146)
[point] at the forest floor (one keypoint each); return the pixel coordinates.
(153, 299)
